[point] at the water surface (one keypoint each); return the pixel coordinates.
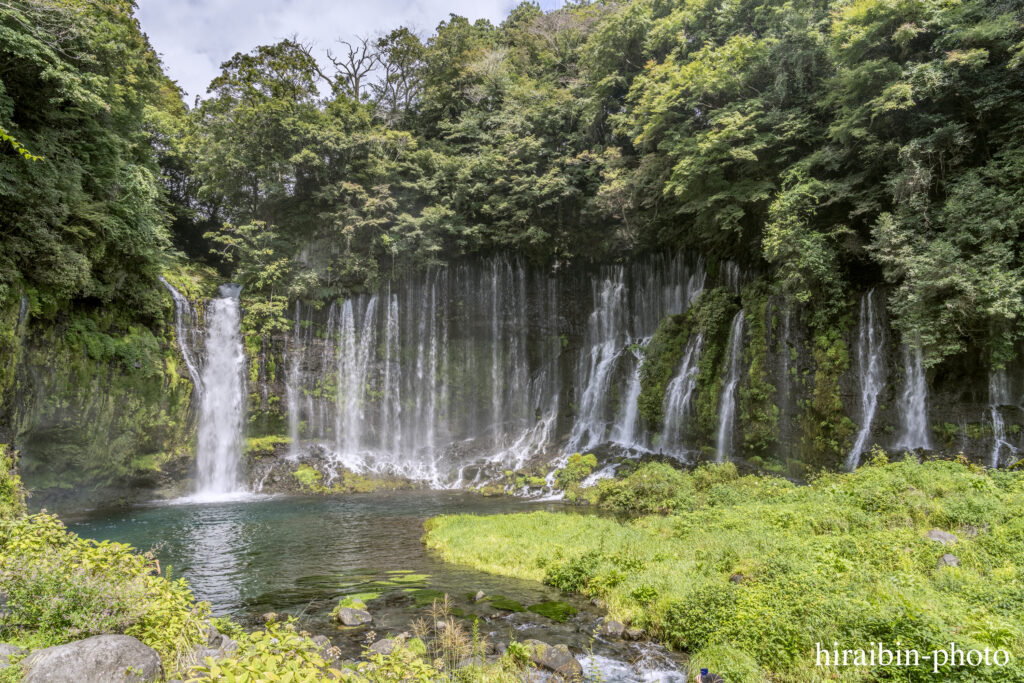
(299, 555)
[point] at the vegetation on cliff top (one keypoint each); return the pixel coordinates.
(828, 146)
(748, 573)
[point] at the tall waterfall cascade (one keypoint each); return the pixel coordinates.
(870, 363)
(459, 373)
(913, 402)
(727, 402)
(998, 396)
(222, 406)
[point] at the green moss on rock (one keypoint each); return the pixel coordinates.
(708, 316)
(759, 415)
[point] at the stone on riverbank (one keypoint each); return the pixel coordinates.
(556, 658)
(109, 658)
(612, 628)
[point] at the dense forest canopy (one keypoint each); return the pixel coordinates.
(833, 145)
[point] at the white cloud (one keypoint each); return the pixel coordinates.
(195, 36)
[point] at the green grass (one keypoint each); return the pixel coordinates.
(749, 572)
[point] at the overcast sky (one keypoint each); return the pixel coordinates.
(195, 36)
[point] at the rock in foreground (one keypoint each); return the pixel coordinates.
(110, 659)
(556, 658)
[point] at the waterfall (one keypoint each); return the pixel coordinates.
(185, 324)
(222, 408)
(870, 372)
(727, 403)
(355, 340)
(913, 402)
(998, 395)
(626, 430)
(678, 396)
(605, 339)
(455, 374)
(293, 385)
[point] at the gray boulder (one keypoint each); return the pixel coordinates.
(948, 560)
(633, 634)
(111, 659)
(612, 628)
(555, 658)
(943, 537)
(6, 651)
(349, 616)
(384, 646)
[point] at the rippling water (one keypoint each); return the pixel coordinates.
(300, 555)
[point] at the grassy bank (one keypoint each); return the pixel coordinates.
(748, 573)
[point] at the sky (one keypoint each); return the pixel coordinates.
(193, 37)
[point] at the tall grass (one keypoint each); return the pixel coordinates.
(750, 573)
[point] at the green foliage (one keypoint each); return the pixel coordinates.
(759, 415)
(278, 651)
(846, 558)
(577, 468)
(709, 317)
(827, 428)
(62, 588)
(81, 86)
(309, 477)
(12, 495)
(554, 610)
(651, 488)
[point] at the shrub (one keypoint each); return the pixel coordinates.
(278, 650)
(62, 588)
(12, 495)
(576, 470)
(653, 487)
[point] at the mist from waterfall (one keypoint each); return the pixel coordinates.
(222, 407)
(727, 403)
(870, 373)
(913, 402)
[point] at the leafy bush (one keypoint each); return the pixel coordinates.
(278, 651)
(62, 588)
(653, 487)
(12, 495)
(576, 470)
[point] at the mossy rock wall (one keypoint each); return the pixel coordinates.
(98, 405)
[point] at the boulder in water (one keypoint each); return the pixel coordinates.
(556, 658)
(350, 616)
(110, 658)
(384, 646)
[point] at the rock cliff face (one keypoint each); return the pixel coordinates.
(94, 406)
(454, 376)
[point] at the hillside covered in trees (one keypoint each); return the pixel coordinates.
(827, 147)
